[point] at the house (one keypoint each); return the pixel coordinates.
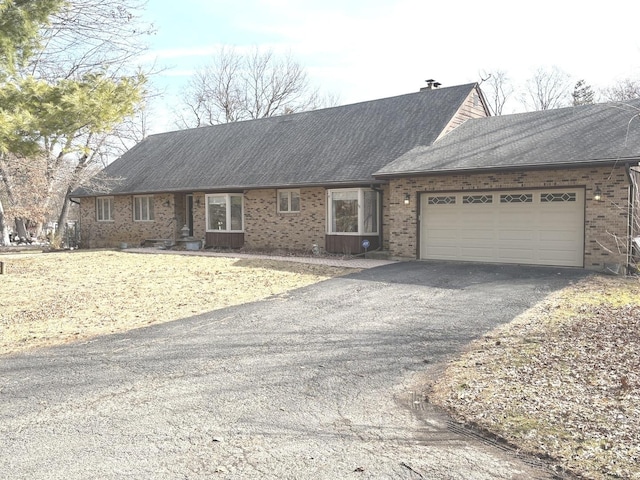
(425, 175)
(288, 182)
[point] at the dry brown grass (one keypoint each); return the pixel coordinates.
(561, 380)
(48, 299)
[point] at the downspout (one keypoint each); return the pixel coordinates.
(630, 213)
(380, 216)
(78, 223)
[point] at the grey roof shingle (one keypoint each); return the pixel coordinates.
(338, 145)
(577, 135)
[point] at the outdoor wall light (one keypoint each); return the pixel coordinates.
(407, 198)
(167, 203)
(597, 195)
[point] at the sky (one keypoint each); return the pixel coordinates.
(362, 50)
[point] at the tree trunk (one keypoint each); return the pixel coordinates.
(40, 230)
(62, 219)
(21, 229)
(4, 228)
(64, 212)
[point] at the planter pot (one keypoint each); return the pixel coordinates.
(192, 245)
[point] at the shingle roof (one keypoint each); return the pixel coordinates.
(336, 145)
(577, 135)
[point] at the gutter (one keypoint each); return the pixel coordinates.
(241, 188)
(507, 168)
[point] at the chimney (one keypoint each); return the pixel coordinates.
(431, 85)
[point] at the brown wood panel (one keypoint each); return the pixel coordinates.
(350, 244)
(224, 239)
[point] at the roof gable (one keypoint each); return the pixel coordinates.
(576, 135)
(336, 145)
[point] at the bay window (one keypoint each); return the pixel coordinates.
(353, 211)
(225, 212)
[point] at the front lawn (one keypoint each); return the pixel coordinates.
(52, 298)
(562, 380)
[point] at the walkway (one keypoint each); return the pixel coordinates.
(357, 262)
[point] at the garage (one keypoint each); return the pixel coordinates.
(533, 227)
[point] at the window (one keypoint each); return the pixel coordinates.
(516, 198)
(558, 197)
(225, 213)
(469, 199)
(104, 209)
(353, 211)
(288, 201)
(143, 208)
(442, 200)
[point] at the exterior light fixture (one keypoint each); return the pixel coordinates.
(597, 195)
(167, 203)
(407, 198)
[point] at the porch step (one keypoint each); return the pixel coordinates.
(157, 242)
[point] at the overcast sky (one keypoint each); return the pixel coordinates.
(367, 49)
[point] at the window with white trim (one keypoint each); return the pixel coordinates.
(353, 211)
(288, 201)
(225, 212)
(143, 208)
(104, 209)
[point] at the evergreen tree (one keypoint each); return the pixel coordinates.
(582, 94)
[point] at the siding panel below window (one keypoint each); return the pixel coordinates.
(224, 239)
(350, 244)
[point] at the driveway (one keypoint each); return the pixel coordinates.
(325, 382)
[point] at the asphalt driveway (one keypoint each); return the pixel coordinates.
(324, 383)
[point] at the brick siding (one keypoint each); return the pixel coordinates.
(606, 221)
(265, 228)
(123, 229)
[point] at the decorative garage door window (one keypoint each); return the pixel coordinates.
(558, 197)
(443, 200)
(477, 199)
(516, 198)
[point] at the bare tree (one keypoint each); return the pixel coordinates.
(24, 189)
(547, 89)
(84, 39)
(241, 87)
(498, 89)
(627, 89)
(86, 36)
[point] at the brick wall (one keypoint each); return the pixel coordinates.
(604, 221)
(265, 228)
(199, 216)
(110, 234)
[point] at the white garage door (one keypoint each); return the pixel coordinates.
(534, 227)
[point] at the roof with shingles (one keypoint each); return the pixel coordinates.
(333, 146)
(588, 134)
